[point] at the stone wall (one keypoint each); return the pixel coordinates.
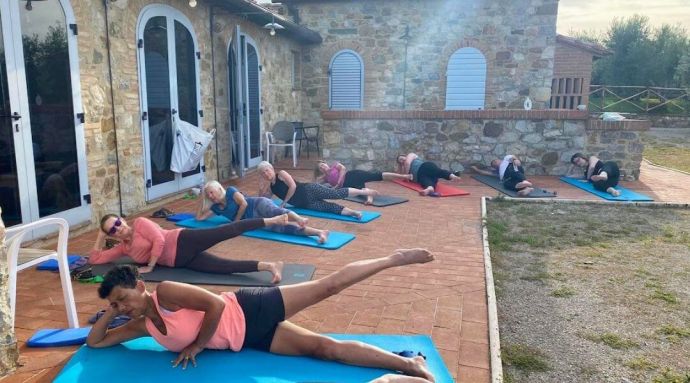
(102, 128)
(674, 122)
(8, 343)
(516, 37)
(544, 140)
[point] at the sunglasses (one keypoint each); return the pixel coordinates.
(113, 229)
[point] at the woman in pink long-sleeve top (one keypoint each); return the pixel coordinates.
(147, 243)
(188, 319)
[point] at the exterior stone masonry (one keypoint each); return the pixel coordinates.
(517, 39)
(279, 100)
(544, 140)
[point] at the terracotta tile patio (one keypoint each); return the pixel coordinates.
(444, 299)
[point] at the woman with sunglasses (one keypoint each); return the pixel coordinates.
(147, 243)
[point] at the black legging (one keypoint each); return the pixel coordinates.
(429, 173)
(613, 175)
(358, 178)
(192, 246)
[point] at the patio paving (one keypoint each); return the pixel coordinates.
(444, 299)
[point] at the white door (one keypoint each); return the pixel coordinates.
(42, 150)
(250, 101)
(169, 77)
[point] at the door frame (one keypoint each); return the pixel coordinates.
(171, 15)
(24, 151)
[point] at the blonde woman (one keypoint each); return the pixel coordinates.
(306, 195)
(235, 206)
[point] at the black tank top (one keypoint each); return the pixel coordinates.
(280, 189)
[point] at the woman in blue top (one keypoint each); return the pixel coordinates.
(235, 206)
(425, 173)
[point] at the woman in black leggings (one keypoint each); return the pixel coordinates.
(147, 243)
(604, 176)
(337, 176)
(425, 173)
(306, 195)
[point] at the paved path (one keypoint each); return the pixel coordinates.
(444, 299)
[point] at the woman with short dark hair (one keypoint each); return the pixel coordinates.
(188, 319)
(603, 175)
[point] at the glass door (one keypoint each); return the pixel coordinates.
(168, 62)
(43, 170)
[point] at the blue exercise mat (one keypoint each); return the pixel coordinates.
(336, 239)
(367, 216)
(180, 217)
(52, 264)
(52, 337)
(626, 194)
(144, 360)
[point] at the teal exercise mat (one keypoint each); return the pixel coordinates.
(626, 194)
(179, 217)
(54, 337)
(144, 360)
(495, 183)
(367, 216)
(379, 200)
(292, 273)
(336, 239)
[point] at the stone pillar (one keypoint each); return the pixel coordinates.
(8, 343)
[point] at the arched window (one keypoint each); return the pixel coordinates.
(466, 80)
(346, 86)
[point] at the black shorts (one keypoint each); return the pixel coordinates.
(263, 310)
(513, 177)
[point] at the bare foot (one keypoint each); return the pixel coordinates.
(454, 178)
(370, 200)
(410, 256)
(276, 268)
(323, 236)
(371, 192)
(426, 191)
(418, 368)
(357, 214)
(525, 192)
(281, 220)
(614, 192)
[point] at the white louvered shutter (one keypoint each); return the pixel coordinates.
(466, 80)
(346, 85)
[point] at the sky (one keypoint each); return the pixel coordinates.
(596, 15)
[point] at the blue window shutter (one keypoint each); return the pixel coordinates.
(346, 78)
(466, 80)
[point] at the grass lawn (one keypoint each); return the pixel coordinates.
(669, 151)
(592, 293)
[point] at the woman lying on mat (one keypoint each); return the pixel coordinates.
(306, 195)
(604, 176)
(510, 172)
(146, 242)
(337, 176)
(235, 206)
(188, 319)
(425, 173)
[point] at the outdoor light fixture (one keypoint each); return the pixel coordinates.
(192, 3)
(272, 26)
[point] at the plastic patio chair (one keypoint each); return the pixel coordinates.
(282, 136)
(30, 257)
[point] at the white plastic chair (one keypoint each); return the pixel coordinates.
(15, 237)
(283, 136)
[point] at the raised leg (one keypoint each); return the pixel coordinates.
(291, 339)
(352, 192)
(302, 295)
(396, 176)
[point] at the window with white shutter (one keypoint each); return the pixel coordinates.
(346, 73)
(466, 80)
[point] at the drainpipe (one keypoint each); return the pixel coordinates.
(112, 102)
(213, 82)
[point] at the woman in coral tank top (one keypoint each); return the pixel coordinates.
(188, 319)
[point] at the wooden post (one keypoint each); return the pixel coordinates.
(8, 343)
